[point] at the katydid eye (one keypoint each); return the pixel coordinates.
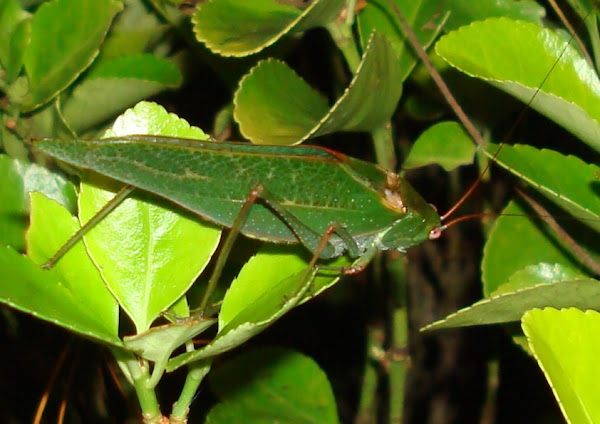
(435, 233)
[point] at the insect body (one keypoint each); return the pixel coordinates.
(306, 190)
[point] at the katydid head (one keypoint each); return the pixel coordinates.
(421, 222)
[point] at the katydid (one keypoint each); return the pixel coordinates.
(304, 190)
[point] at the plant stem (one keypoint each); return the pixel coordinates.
(342, 36)
(384, 146)
(140, 375)
(196, 373)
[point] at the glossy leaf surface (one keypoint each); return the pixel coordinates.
(565, 344)
(158, 252)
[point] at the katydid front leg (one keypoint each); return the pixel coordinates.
(99, 216)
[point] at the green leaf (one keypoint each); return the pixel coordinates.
(533, 275)
(247, 310)
(115, 85)
(507, 307)
(272, 385)
(545, 171)
(273, 105)
(41, 293)
(505, 252)
(234, 28)
(446, 144)
(65, 38)
(13, 37)
(149, 255)
(72, 294)
(263, 106)
(51, 226)
(20, 178)
(262, 274)
(423, 17)
(138, 66)
(158, 343)
(516, 56)
(566, 344)
(463, 12)
(137, 29)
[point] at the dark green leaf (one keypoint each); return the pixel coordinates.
(115, 85)
(505, 252)
(13, 37)
(275, 106)
(423, 16)
(272, 385)
(507, 307)
(65, 38)
(234, 28)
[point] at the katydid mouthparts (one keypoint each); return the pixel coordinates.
(305, 193)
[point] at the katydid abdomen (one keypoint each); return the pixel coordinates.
(317, 186)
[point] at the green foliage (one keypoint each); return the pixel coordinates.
(84, 69)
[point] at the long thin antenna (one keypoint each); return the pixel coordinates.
(459, 112)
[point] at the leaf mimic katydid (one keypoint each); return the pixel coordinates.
(305, 190)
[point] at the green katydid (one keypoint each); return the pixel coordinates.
(370, 210)
(261, 191)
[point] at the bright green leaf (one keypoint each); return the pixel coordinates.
(566, 345)
(532, 275)
(545, 171)
(446, 144)
(269, 285)
(51, 226)
(41, 293)
(463, 12)
(65, 38)
(21, 178)
(261, 275)
(517, 56)
(272, 385)
(252, 319)
(148, 254)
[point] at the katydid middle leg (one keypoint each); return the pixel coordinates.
(318, 244)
